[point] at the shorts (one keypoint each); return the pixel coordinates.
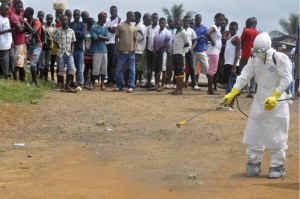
(160, 62)
(138, 62)
(63, 60)
(88, 59)
(213, 64)
(99, 64)
(21, 55)
(202, 59)
(178, 64)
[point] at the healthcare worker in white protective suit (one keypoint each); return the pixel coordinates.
(268, 122)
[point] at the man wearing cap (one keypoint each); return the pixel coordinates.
(268, 122)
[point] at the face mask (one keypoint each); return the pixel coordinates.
(260, 53)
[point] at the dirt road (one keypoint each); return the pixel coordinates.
(107, 145)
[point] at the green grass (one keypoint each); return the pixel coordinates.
(22, 92)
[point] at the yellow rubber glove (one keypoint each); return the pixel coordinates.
(230, 96)
(271, 101)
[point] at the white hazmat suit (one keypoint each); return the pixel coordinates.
(267, 128)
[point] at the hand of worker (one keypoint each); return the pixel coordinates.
(271, 101)
(230, 96)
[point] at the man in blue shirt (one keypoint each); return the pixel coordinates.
(200, 46)
(99, 35)
(79, 29)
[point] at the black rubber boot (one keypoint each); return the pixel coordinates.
(61, 79)
(34, 78)
(41, 73)
(45, 74)
(22, 74)
(210, 90)
(68, 88)
(92, 82)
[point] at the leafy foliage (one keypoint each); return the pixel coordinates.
(290, 26)
(176, 12)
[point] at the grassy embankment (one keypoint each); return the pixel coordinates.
(22, 92)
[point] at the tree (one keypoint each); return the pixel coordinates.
(176, 12)
(290, 26)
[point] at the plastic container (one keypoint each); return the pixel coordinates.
(59, 5)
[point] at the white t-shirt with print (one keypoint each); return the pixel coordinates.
(216, 36)
(6, 38)
(150, 35)
(141, 38)
(112, 23)
(191, 34)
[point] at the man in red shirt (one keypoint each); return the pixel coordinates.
(19, 40)
(248, 35)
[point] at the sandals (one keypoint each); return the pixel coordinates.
(160, 89)
(177, 92)
(103, 87)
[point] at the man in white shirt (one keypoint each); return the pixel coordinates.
(161, 40)
(189, 57)
(149, 47)
(5, 41)
(111, 24)
(180, 42)
(169, 64)
(140, 47)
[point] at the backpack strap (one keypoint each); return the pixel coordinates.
(273, 57)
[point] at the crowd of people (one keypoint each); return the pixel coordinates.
(140, 51)
(154, 53)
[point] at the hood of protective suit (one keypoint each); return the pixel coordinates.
(262, 41)
(261, 44)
